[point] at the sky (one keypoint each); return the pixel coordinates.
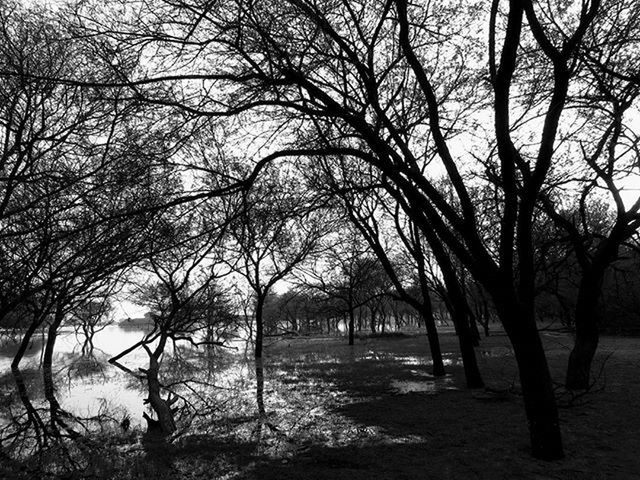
(125, 309)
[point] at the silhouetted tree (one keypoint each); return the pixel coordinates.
(275, 229)
(406, 88)
(186, 304)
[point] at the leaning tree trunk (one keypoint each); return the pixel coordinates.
(163, 408)
(473, 327)
(432, 336)
(587, 334)
(24, 344)
(34, 418)
(465, 340)
(537, 388)
(458, 309)
(47, 365)
(57, 420)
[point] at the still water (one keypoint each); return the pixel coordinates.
(108, 342)
(85, 387)
(296, 370)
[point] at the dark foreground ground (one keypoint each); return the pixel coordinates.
(373, 412)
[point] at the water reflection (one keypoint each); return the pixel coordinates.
(304, 385)
(84, 385)
(108, 342)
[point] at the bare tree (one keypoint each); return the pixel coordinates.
(90, 318)
(607, 146)
(73, 171)
(179, 285)
(345, 275)
(367, 206)
(386, 82)
(276, 228)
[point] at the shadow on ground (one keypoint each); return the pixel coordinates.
(373, 411)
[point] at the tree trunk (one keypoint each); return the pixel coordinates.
(32, 413)
(163, 408)
(373, 321)
(259, 326)
(24, 344)
(351, 325)
(258, 357)
(47, 363)
(34, 418)
(537, 387)
(485, 318)
(473, 328)
(56, 414)
(260, 387)
(434, 340)
(587, 335)
(539, 399)
(457, 305)
(467, 351)
(458, 309)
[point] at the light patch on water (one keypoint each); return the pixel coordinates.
(413, 361)
(404, 440)
(109, 342)
(89, 399)
(449, 362)
(429, 387)
(375, 355)
(448, 359)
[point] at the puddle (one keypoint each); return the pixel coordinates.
(430, 387)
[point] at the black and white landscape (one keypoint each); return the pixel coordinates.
(319, 239)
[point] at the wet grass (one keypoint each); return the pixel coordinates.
(373, 411)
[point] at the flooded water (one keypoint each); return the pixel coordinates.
(109, 342)
(318, 393)
(88, 387)
(430, 386)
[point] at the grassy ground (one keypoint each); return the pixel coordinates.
(372, 411)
